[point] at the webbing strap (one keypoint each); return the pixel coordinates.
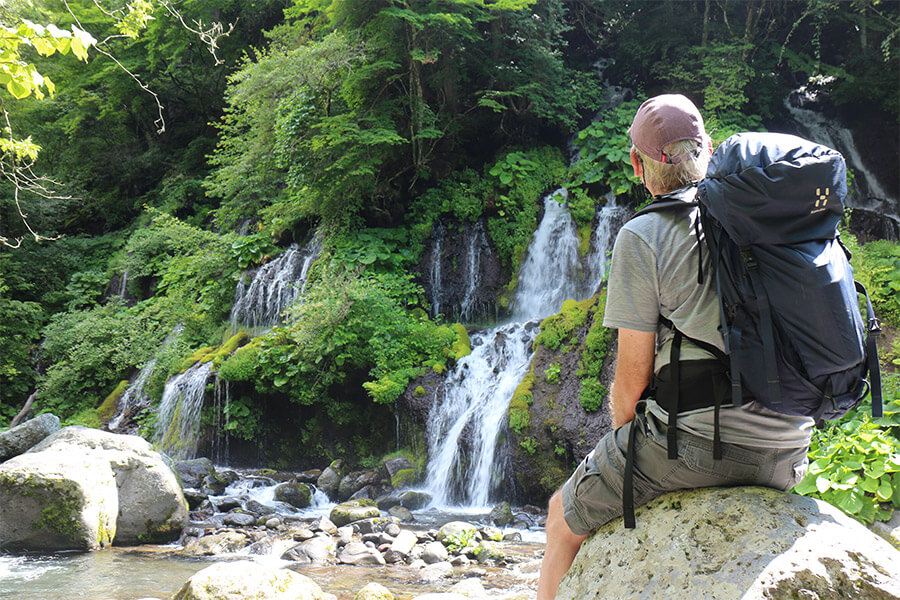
(628, 479)
(675, 384)
(873, 330)
(735, 333)
(766, 333)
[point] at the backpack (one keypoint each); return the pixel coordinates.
(769, 207)
(789, 307)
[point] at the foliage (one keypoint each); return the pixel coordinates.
(559, 328)
(456, 542)
(463, 345)
(551, 373)
(855, 461)
(519, 415)
(592, 355)
(20, 325)
(252, 249)
(880, 273)
(603, 153)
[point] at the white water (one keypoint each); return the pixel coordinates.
(830, 132)
(609, 220)
(476, 248)
(178, 419)
(275, 286)
(222, 441)
(434, 273)
(465, 468)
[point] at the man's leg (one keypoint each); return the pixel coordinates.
(562, 546)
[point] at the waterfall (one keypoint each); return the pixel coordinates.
(275, 286)
(178, 417)
(464, 429)
(608, 221)
(122, 287)
(477, 246)
(830, 132)
(434, 272)
(222, 436)
(135, 397)
(551, 271)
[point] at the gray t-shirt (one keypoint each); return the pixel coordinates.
(654, 271)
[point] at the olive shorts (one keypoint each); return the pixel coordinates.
(593, 494)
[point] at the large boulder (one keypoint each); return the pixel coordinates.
(50, 501)
(193, 471)
(150, 505)
(20, 438)
(353, 510)
(245, 579)
(724, 543)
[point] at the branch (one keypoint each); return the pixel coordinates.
(24, 410)
(209, 36)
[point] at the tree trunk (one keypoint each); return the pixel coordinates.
(25, 410)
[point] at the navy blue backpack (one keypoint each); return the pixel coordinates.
(770, 207)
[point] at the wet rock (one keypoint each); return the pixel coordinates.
(273, 523)
(404, 514)
(302, 534)
(357, 553)
(392, 529)
(460, 561)
(298, 495)
(217, 543)
(324, 524)
(227, 503)
(414, 500)
(24, 436)
(374, 591)
(353, 510)
(471, 588)
(373, 525)
(749, 542)
(345, 535)
(330, 479)
(353, 482)
(436, 572)
(400, 472)
(247, 579)
(491, 533)
(401, 547)
(193, 471)
(456, 530)
(501, 515)
(258, 508)
(311, 476)
(213, 485)
(368, 492)
(194, 497)
(487, 551)
(387, 501)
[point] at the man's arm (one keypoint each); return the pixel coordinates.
(634, 369)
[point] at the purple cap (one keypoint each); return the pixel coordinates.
(664, 120)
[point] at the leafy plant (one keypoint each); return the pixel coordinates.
(455, 542)
(551, 373)
(604, 149)
(855, 462)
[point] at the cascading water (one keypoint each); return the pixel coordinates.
(178, 418)
(434, 272)
(608, 221)
(275, 286)
(464, 467)
(135, 398)
(222, 439)
(830, 132)
(477, 246)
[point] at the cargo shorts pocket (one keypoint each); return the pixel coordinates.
(737, 464)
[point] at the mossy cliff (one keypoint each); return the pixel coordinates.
(559, 410)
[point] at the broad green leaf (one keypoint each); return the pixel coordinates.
(885, 492)
(17, 89)
(823, 484)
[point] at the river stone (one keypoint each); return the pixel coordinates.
(217, 543)
(402, 513)
(357, 553)
(436, 572)
(374, 591)
(456, 530)
(294, 493)
(22, 437)
(486, 551)
(889, 530)
(414, 500)
(471, 588)
(401, 547)
(353, 482)
(324, 524)
(435, 552)
(152, 507)
(239, 519)
(330, 479)
(50, 501)
(352, 510)
(501, 515)
(723, 543)
(245, 579)
(192, 471)
(317, 550)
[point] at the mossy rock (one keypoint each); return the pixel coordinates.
(403, 478)
(107, 409)
(353, 510)
(463, 345)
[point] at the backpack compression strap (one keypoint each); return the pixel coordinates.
(873, 331)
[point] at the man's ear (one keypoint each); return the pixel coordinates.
(636, 165)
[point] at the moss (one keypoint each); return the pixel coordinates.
(463, 345)
(584, 240)
(592, 354)
(107, 409)
(558, 329)
(403, 477)
(439, 368)
(519, 411)
(229, 347)
(419, 391)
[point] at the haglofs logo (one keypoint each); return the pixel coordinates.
(821, 200)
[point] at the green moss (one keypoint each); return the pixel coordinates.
(559, 328)
(229, 347)
(584, 240)
(530, 445)
(419, 391)
(108, 408)
(592, 354)
(439, 368)
(202, 355)
(519, 412)
(241, 364)
(463, 345)
(403, 477)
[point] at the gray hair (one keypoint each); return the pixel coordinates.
(668, 177)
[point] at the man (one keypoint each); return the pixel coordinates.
(661, 298)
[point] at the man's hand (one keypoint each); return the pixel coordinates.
(634, 369)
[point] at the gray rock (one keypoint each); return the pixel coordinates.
(357, 553)
(239, 519)
(294, 493)
(414, 500)
(404, 514)
(24, 436)
(217, 543)
(392, 529)
(889, 530)
(330, 479)
(401, 547)
(368, 492)
(151, 506)
(374, 591)
(456, 530)
(501, 515)
(750, 543)
(353, 482)
(436, 572)
(258, 508)
(311, 476)
(374, 524)
(227, 503)
(316, 550)
(273, 523)
(352, 510)
(388, 501)
(392, 466)
(194, 497)
(192, 472)
(435, 552)
(471, 588)
(324, 524)
(345, 535)
(245, 579)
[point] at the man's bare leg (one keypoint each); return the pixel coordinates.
(562, 546)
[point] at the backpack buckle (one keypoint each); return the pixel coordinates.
(749, 259)
(874, 326)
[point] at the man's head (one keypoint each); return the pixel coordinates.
(670, 147)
